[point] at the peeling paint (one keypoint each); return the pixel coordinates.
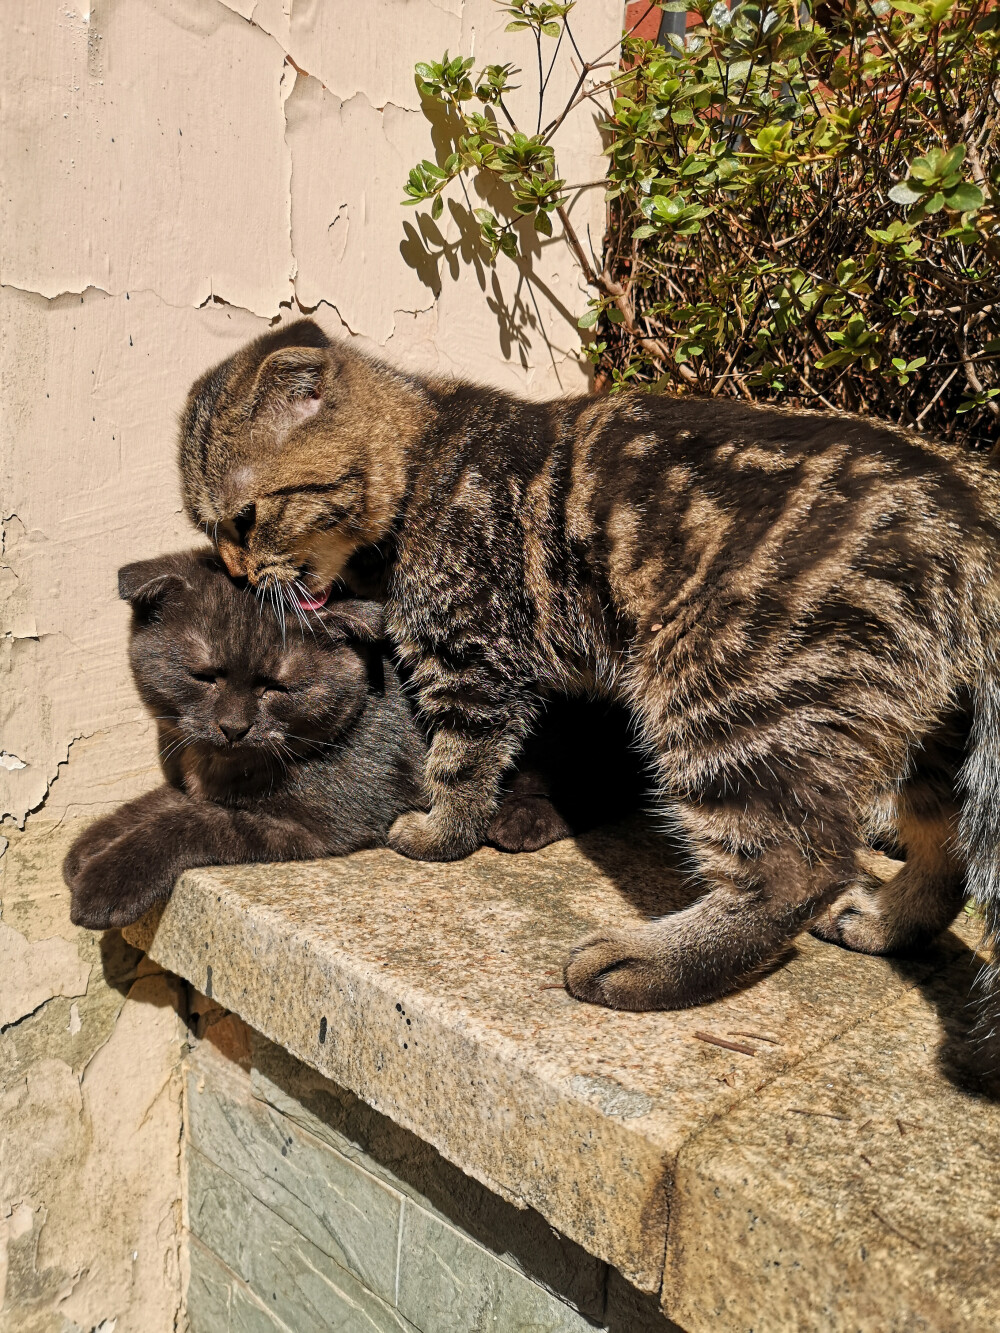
(77, 140)
(34, 973)
(181, 173)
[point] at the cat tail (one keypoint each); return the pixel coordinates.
(979, 830)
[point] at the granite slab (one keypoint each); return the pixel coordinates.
(433, 993)
(860, 1190)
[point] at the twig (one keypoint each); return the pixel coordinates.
(940, 391)
(892, 1227)
(828, 1115)
(739, 1046)
(609, 287)
(971, 378)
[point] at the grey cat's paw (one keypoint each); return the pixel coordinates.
(622, 969)
(526, 824)
(95, 841)
(118, 886)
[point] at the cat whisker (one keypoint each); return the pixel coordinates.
(294, 604)
(277, 602)
(315, 615)
(174, 748)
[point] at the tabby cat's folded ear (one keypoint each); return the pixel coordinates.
(364, 621)
(146, 583)
(292, 378)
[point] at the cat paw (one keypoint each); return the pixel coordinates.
(621, 970)
(526, 824)
(424, 837)
(110, 892)
(855, 921)
(92, 842)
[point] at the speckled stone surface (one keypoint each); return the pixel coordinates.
(433, 993)
(860, 1190)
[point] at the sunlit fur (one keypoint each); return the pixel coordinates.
(801, 611)
(279, 740)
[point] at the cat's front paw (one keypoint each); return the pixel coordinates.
(93, 841)
(526, 824)
(425, 837)
(624, 969)
(116, 888)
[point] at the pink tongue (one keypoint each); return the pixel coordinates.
(308, 603)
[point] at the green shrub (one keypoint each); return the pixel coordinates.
(802, 207)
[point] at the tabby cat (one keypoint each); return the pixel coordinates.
(800, 610)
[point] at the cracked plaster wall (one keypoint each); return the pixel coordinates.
(179, 174)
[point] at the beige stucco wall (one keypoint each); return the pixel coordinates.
(178, 174)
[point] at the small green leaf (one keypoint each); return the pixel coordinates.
(437, 208)
(904, 193)
(964, 198)
(588, 320)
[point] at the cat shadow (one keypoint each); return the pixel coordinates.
(120, 961)
(947, 976)
(644, 863)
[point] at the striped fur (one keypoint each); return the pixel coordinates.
(801, 611)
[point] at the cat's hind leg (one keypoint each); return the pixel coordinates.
(922, 897)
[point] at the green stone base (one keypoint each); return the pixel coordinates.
(308, 1211)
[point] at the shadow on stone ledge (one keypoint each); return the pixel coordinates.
(969, 1051)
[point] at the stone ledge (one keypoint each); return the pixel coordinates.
(432, 992)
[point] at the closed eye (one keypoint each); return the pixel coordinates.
(271, 686)
(208, 677)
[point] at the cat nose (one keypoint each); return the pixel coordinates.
(234, 731)
(233, 557)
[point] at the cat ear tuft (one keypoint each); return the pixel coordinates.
(364, 621)
(146, 583)
(292, 377)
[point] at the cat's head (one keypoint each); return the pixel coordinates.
(293, 454)
(222, 667)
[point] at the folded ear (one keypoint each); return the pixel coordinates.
(364, 621)
(292, 378)
(146, 583)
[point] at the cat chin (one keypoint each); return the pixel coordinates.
(325, 555)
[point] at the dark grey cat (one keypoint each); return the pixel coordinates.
(277, 744)
(287, 741)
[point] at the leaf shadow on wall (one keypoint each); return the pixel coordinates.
(431, 255)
